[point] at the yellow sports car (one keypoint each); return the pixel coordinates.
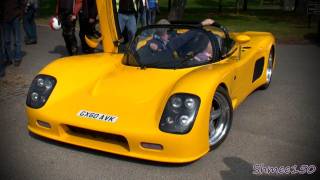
(168, 98)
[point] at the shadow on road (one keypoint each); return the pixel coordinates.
(59, 49)
(105, 154)
(241, 169)
(23, 54)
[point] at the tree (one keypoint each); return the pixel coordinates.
(169, 5)
(220, 5)
(245, 5)
(300, 6)
(319, 26)
(177, 9)
(238, 5)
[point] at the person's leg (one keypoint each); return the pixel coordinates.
(8, 55)
(132, 27)
(139, 19)
(144, 22)
(144, 18)
(122, 24)
(122, 21)
(85, 29)
(149, 16)
(68, 32)
(33, 25)
(26, 25)
(17, 41)
(153, 16)
(2, 60)
(29, 26)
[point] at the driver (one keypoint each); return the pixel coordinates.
(205, 55)
(183, 44)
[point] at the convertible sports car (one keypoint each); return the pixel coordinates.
(169, 98)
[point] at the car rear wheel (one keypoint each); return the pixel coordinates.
(220, 118)
(269, 70)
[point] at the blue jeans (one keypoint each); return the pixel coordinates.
(128, 21)
(12, 29)
(29, 24)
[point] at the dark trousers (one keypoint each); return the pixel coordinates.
(2, 60)
(29, 24)
(12, 29)
(142, 17)
(151, 16)
(68, 33)
(86, 28)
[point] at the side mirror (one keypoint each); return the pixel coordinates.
(93, 42)
(242, 39)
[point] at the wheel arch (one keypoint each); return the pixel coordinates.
(224, 86)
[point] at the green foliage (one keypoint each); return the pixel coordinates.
(211, 3)
(286, 26)
(47, 8)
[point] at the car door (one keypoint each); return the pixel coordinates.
(109, 27)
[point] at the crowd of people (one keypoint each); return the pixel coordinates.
(131, 14)
(11, 13)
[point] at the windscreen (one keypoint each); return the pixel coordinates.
(173, 47)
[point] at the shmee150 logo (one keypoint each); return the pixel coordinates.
(260, 169)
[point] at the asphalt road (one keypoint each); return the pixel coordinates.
(276, 127)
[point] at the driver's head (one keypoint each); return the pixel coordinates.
(162, 32)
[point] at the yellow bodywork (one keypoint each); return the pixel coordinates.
(102, 83)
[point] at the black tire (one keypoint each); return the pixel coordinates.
(269, 70)
(220, 121)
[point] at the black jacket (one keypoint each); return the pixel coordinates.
(11, 9)
(127, 6)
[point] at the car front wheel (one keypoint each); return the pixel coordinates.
(220, 118)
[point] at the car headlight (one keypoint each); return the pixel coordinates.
(40, 90)
(179, 114)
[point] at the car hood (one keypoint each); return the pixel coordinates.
(129, 93)
(130, 89)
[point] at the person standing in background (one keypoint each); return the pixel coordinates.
(126, 16)
(87, 20)
(152, 11)
(68, 10)
(142, 12)
(2, 60)
(12, 14)
(29, 24)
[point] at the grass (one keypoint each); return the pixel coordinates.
(288, 27)
(211, 3)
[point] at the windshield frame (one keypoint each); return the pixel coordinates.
(132, 52)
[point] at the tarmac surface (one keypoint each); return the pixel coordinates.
(276, 127)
